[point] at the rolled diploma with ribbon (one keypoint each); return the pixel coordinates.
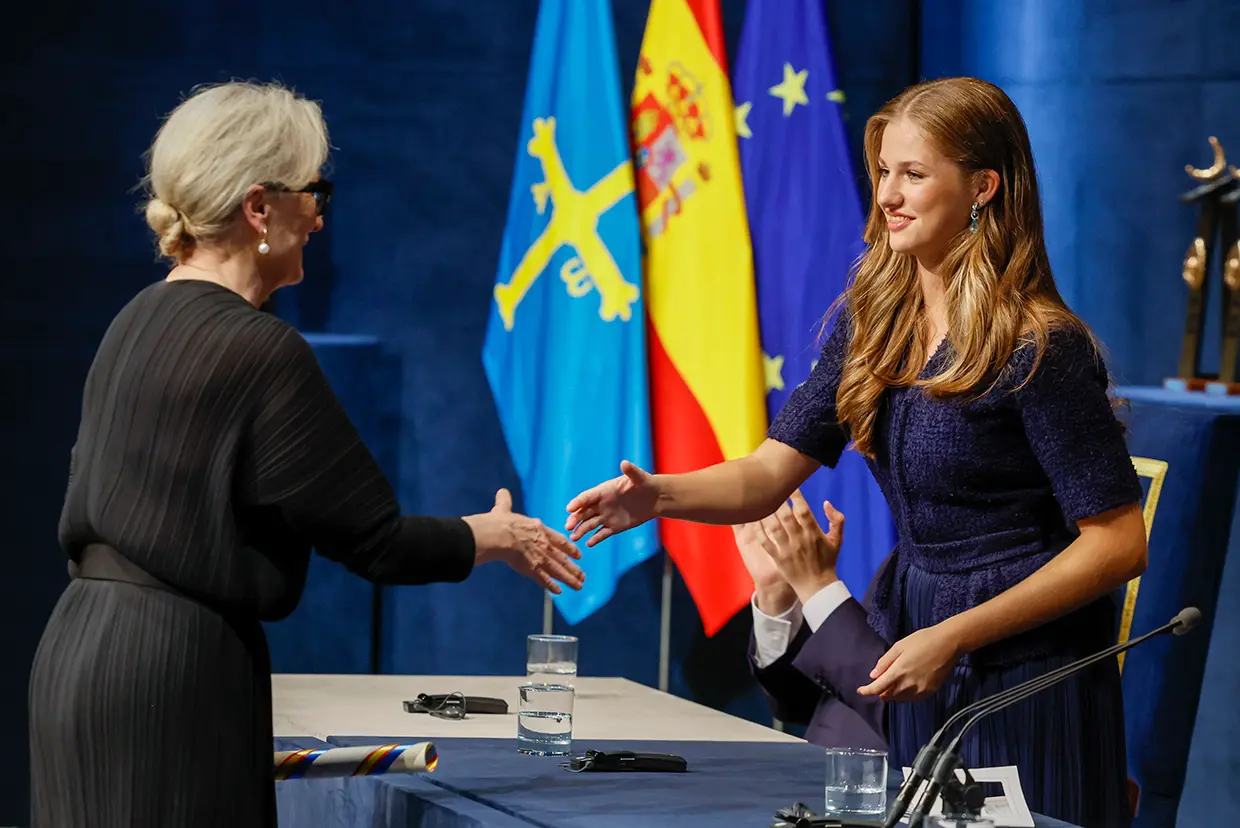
(367, 760)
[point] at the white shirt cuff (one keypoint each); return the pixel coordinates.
(773, 633)
(820, 605)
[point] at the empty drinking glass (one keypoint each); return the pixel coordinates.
(856, 782)
(551, 659)
(545, 719)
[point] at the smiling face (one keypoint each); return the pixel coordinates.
(924, 195)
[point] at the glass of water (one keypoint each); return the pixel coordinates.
(545, 719)
(551, 659)
(856, 782)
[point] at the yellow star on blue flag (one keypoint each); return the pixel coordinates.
(791, 90)
(773, 368)
(742, 123)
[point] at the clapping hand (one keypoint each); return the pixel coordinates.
(613, 506)
(761, 566)
(771, 591)
(794, 546)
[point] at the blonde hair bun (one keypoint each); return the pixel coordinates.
(169, 226)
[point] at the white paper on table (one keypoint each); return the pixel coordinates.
(1007, 811)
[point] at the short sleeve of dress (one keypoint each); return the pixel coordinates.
(1072, 428)
(807, 421)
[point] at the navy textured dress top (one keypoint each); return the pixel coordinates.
(984, 491)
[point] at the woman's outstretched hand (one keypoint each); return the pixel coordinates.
(613, 506)
(541, 554)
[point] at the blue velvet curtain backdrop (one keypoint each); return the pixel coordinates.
(423, 101)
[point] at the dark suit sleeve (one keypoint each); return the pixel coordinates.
(792, 697)
(838, 658)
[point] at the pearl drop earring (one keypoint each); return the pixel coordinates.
(263, 247)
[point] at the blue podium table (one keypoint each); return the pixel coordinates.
(1183, 725)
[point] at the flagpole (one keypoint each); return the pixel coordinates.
(665, 623)
(548, 614)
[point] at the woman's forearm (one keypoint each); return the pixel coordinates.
(736, 491)
(1103, 558)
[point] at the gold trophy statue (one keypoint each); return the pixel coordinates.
(1226, 383)
(1216, 197)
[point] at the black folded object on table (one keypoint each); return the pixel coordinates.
(626, 760)
(455, 705)
(800, 816)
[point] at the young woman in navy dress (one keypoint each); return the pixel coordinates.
(980, 401)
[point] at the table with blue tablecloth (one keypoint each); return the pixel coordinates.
(727, 784)
(740, 772)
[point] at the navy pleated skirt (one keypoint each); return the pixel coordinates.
(1067, 741)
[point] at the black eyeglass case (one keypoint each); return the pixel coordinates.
(478, 705)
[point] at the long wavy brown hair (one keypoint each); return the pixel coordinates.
(999, 286)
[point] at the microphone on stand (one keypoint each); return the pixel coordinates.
(937, 767)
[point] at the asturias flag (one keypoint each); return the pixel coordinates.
(706, 386)
(806, 220)
(565, 349)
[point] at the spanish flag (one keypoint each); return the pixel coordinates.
(707, 387)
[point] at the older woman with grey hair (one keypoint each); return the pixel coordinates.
(212, 456)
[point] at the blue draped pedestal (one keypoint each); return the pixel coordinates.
(333, 629)
(1179, 693)
(728, 783)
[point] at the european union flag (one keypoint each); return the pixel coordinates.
(565, 350)
(805, 220)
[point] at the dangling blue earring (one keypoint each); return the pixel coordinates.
(973, 214)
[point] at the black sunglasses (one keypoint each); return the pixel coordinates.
(321, 190)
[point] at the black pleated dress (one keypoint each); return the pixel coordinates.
(213, 456)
